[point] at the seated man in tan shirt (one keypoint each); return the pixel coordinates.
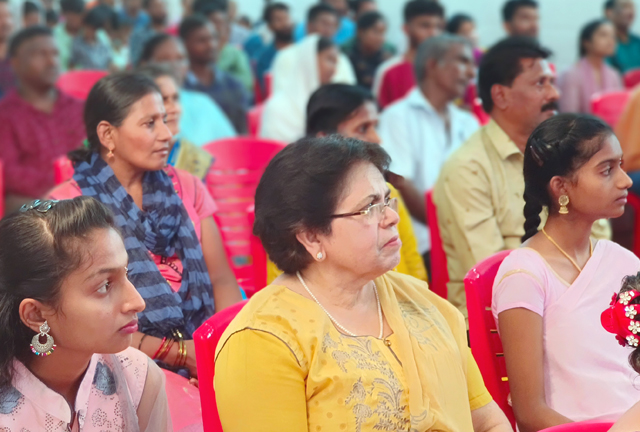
(479, 194)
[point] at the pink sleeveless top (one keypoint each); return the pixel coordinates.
(196, 199)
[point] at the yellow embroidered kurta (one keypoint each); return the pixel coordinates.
(480, 202)
(411, 262)
(283, 366)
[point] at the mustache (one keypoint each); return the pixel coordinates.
(553, 105)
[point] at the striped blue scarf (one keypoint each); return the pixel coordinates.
(164, 229)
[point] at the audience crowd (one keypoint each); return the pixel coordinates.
(389, 160)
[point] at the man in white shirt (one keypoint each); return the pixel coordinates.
(421, 130)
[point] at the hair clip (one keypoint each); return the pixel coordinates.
(619, 318)
(39, 206)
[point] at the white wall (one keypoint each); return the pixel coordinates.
(561, 20)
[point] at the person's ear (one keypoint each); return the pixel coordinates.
(34, 313)
(558, 186)
(500, 96)
(312, 243)
(106, 134)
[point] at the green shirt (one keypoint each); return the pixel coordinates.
(627, 55)
(236, 63)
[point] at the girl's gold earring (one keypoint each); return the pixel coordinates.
(563, 201)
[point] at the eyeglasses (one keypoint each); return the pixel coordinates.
(376, 210)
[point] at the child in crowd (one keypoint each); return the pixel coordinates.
(119, 31)
(31, 14)
(88, 51)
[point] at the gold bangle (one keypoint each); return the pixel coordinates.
(141, 339)
(184, 354)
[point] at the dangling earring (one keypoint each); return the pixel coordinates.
(319, 256)
(43, 349)
(110, 154)
(563, 201)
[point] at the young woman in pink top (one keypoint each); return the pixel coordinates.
(67, 314)
(549, 294)
(176, 257)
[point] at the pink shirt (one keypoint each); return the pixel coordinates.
(197, 202)
(32, 406)
(578, 84)
(586, 372)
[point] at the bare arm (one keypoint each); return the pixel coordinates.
(490, 418)
(522, 336)
(225, 286)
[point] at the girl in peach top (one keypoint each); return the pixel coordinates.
(67, 313)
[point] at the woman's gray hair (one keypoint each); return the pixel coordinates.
(435, 48)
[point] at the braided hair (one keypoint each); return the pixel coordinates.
(557, 147)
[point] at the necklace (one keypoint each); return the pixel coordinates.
(375, 290)
(575, 264)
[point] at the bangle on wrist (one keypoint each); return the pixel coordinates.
(155, 356)
(141, 339)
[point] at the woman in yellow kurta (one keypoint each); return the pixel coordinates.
(351, 112)
(338, 342)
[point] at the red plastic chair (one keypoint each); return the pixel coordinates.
(483, 334)
(439, 270)
(634, 201)
(232, 181)
(258, 255)
(184, 403)
(254, 120)
(610, 105)
(586, 426)
(1, 190)
(62, 170)
(632, 78)
(206, 339)
(79, 83)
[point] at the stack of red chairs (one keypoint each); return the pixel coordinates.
(79, 83)
(609, 106)
(62, 170)
(483, 334)
(258, 254)
(1, 190)
(206, 340)
(232, 181)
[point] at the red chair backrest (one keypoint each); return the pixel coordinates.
(632, 78)
(1, 190)
(206, 339)
(232, 181)
(479, 112)
(634, 201)
(254, 120)
(439, 270)
(483, 334)
(610, 105)
(586, 426)
(62, 170)
(173, 30)
(184, 402)
(258, 254)
(79, 83)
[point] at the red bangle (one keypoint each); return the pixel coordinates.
(167, 350)
(158, 352)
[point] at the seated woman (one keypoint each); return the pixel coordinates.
(351, 112)
(548, 295)
(620, 319)
(591, 74)
(297, 72)
(67, 313)
(348, 344)
(183, 154)
(165, 215)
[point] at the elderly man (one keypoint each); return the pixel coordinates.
(479, 194)
(421, 130)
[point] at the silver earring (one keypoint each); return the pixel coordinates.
(43, 349)
(319, 256)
